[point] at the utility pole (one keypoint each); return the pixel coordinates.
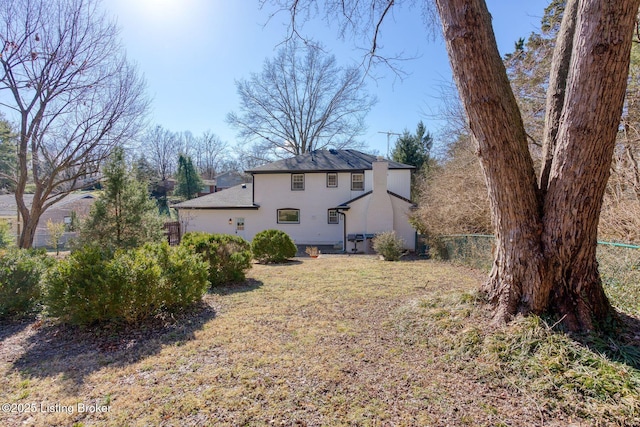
(389, 133)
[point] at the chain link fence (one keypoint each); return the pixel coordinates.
(619, 264)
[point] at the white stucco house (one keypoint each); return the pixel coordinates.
(340, 198)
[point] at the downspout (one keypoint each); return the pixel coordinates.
(253, 189)
(344, 230)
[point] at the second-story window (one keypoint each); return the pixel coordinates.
(297, 181)
(332, 180)
(357, 181)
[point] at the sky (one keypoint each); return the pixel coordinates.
(191, 53)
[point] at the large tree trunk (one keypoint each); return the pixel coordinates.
(545, 255)
(582, 159)
(498, 130)
(556, 91)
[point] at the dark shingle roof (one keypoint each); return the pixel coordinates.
(231, 178)
(238, 197)
(326, 161)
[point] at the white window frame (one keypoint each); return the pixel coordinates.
(360, 183)
(330, 216)
(297, 182)
(333, 175)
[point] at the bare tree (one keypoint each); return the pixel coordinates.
(302, 101)
(209, 154)
(187, 142)
(67, 82)
(161, 148)
(545, 257)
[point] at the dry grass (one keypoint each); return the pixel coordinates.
(330, 341)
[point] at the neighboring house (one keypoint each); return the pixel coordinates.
(223, 181)
(230, 179)
(340, 198)
(78, 202)
(208, 187)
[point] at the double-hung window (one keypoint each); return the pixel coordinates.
(357, 181)
(332, 180)
(332, 216)
(297, 181)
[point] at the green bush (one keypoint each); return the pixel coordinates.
(273, 246)
(229, 256)
(389, 245)
(20, 281)
(7, 239)
(185, 275)
(97, 285)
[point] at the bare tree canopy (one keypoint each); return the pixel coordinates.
(209, 154)
(301, 101)
(67, 83)
(162, 148)
(546, 233)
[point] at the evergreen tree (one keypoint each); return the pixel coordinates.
(123, 216)
(189, 182)
(414, 150)
(144, 172)
(8, 155)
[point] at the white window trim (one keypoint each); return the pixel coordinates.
(287, 222)
(337, 221)
(293, 176)
(353, 175)
(334, 174)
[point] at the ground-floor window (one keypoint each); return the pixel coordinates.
(332, 216)
(288, 216)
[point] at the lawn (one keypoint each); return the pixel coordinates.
(336, 340)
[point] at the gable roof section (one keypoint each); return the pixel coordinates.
(238, 197)
(325, 161)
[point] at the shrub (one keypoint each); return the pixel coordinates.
(20, 281)
(273, 246)
(97, 285)
(453, 196)
(7, 239)
(388, 245)
(229, 256)
(78, 289)
(185, 275)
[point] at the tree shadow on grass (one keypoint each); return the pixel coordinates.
(620, 344)
(281, 264)
(9, 328)
(237, 288)
(77, 352)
